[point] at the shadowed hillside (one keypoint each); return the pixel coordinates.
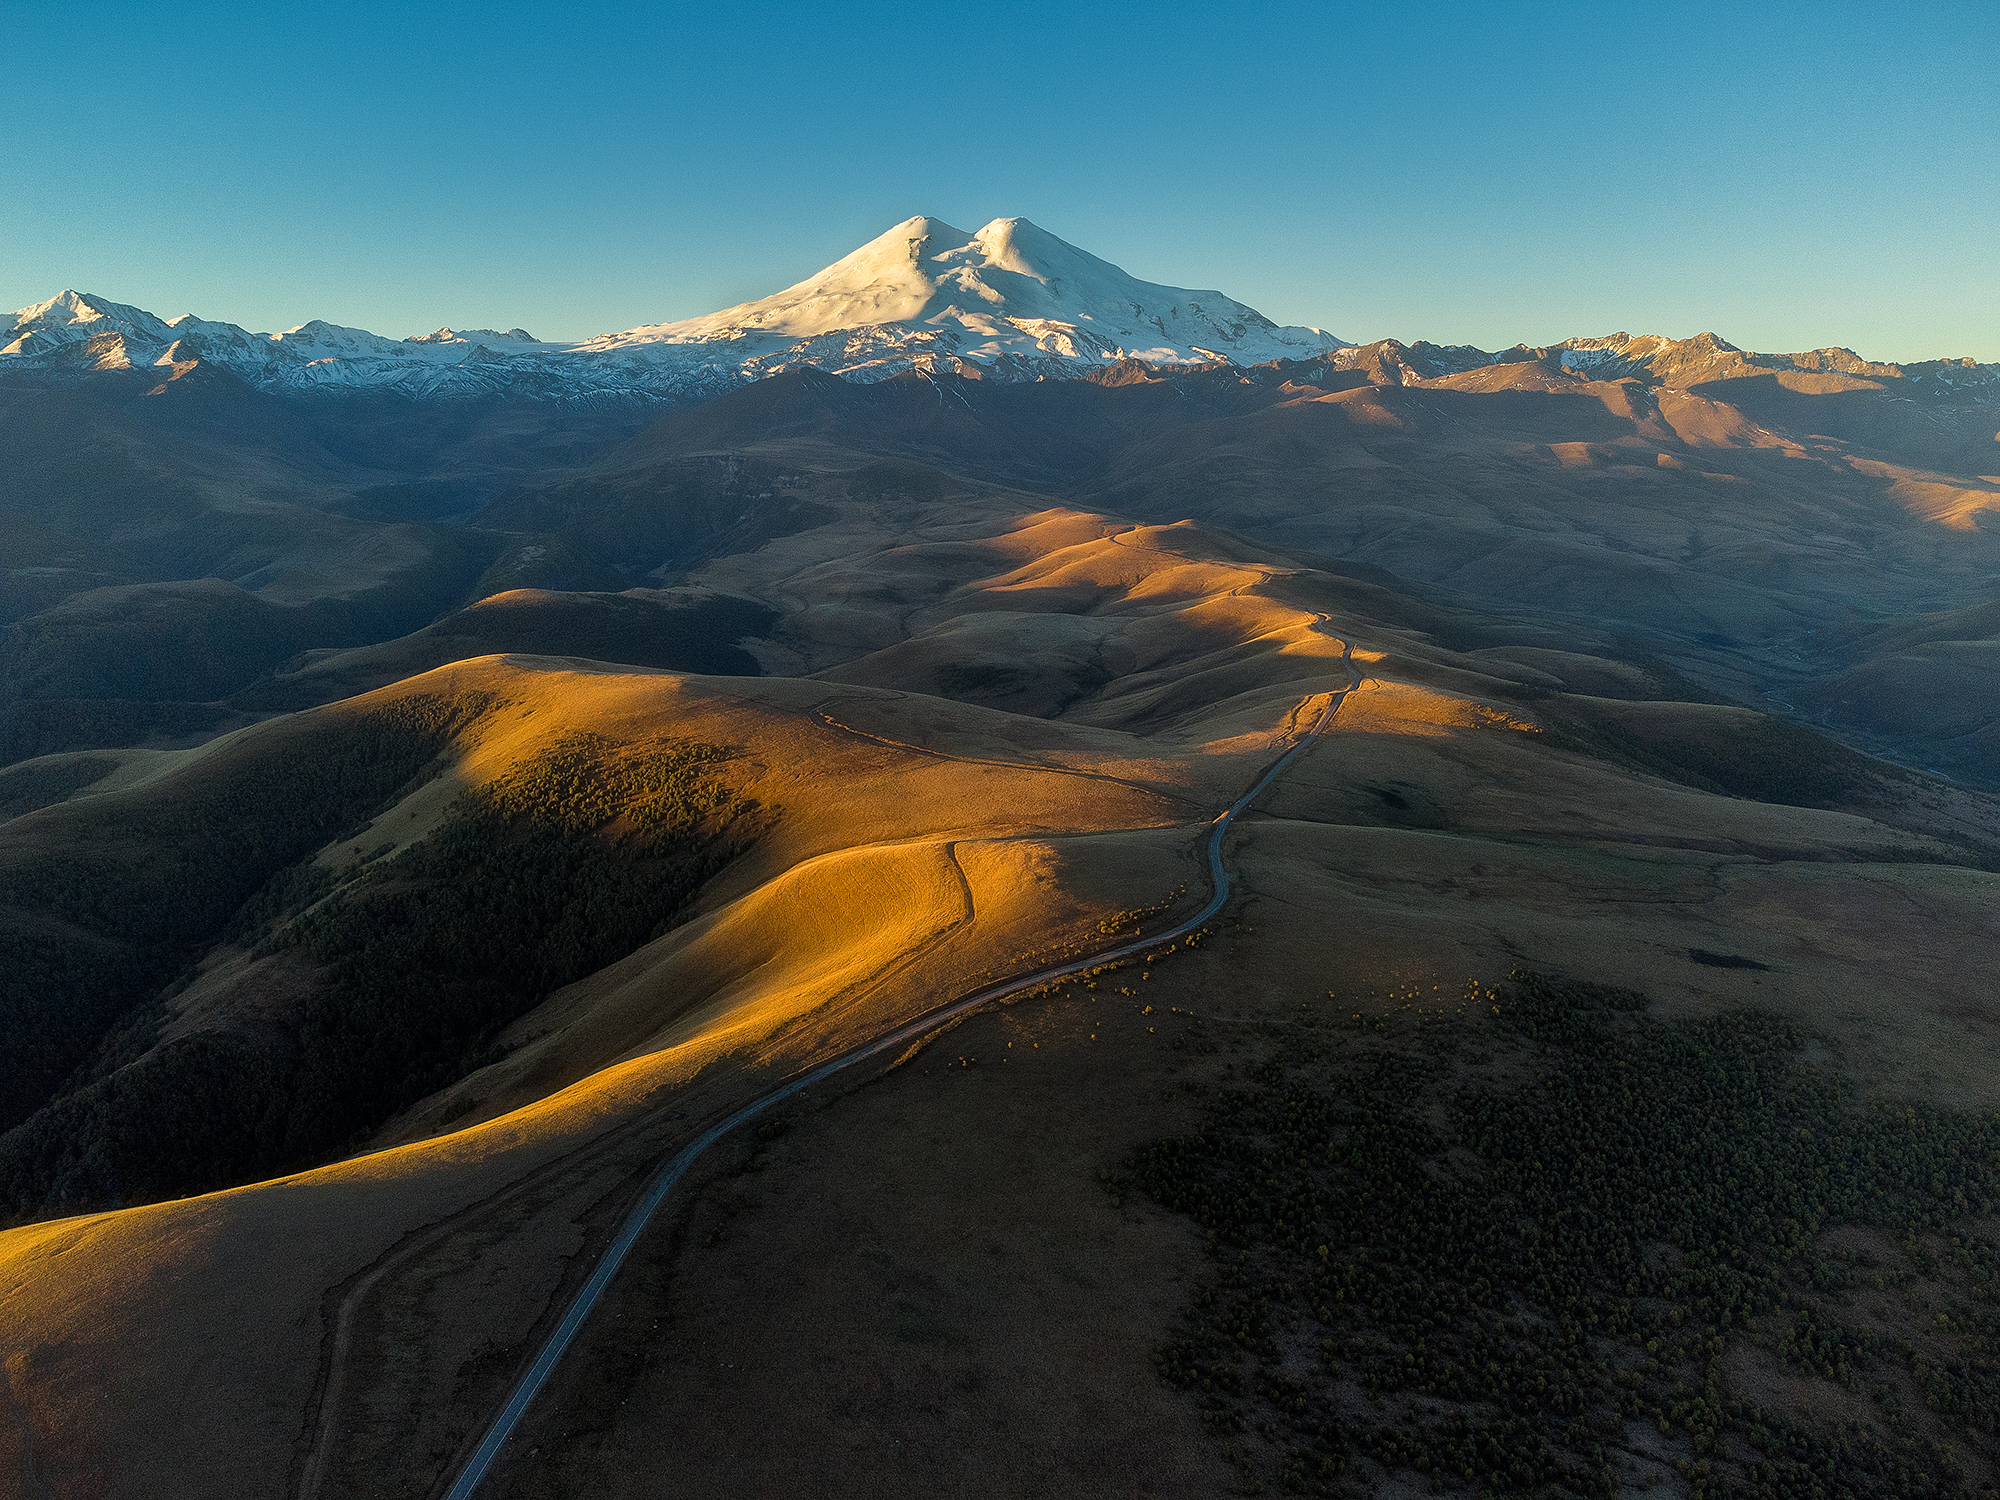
(171, 537)
(892, 820)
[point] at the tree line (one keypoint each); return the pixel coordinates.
(578, 856)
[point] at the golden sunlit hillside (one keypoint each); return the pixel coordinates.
(916, 816)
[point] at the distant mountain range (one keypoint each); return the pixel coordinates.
(1010, 302)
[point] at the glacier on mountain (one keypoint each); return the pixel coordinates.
(1009, 302)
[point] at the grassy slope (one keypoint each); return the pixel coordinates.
(950, 1229)
(166, 544)
(227, 1299)
(108, 897)
(1737, 542)
(400, 974)
(1430, 834)
(681, 632)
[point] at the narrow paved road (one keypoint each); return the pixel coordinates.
(669, 1176)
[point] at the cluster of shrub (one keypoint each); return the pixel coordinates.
(23, 789)
(108, 899)
(47, 726)
(1425, 1270)
(417, 961)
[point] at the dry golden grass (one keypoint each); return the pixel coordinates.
(920, 1236)
(203, 1321)
(920, 1289)
(923, 1287)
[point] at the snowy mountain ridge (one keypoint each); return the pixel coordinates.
(1010, 302)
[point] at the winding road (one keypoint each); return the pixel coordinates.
(669, 1176)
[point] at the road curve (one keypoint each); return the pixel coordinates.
(668, 1176)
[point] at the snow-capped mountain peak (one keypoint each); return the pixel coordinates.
(1011, 301)
(72, 317)
(473, 336)
(1011, 293)
(885, 281)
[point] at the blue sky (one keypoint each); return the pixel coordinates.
(1789, 176)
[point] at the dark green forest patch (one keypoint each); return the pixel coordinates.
(33, 727)
(1578, 1250)
(578, 856)
(103, 901)
(23, 789)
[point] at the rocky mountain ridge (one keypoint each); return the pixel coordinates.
(1678, 364)
(1008, 302)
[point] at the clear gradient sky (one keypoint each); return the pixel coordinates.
(1788, 175)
